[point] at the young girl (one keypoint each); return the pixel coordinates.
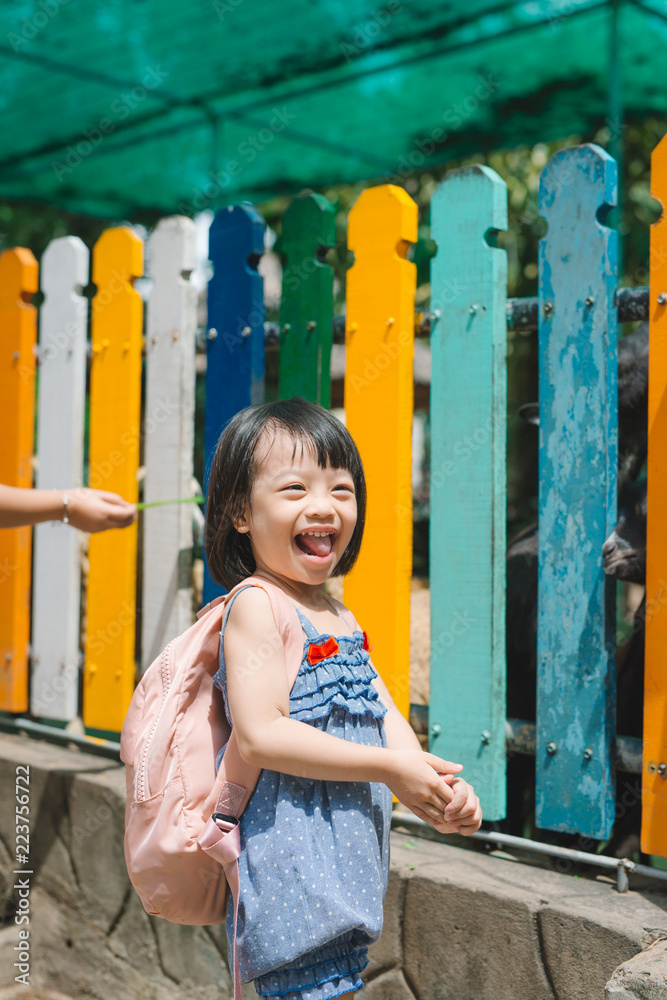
(287, 502)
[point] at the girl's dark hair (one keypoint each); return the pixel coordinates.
(232, 473)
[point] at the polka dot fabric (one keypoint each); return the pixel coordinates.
(314, 857)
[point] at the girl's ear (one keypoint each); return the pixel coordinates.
(241, 523)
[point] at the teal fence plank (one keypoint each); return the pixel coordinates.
(468, 480)
(306, 305)
(235, 347)
(577, 494)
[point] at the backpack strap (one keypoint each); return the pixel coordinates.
(236, 780)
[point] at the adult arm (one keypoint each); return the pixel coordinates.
(88, 510)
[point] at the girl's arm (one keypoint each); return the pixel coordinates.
(259, 704)
(463, 813)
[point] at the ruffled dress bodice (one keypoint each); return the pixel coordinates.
(314, 861)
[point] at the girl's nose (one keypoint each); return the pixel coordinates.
(320, 505)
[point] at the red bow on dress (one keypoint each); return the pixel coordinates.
(317, 653)
(367, 646)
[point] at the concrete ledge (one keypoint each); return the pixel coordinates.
(459, 925)
(643, 977)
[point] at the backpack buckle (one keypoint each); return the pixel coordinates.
(226, 818)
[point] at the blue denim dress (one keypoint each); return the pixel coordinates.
(314, 857)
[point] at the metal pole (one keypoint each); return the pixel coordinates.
(91, 744)
(615, 116)
(622, 866)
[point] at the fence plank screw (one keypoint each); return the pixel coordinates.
(310, 326)
(662, 770)
(589, 300)
(245, 332)
(552, 748)
(662, 298)
(286, 327)
(436, 729)
(174, 335)
(547, 308)
(588, 753)
(485, 737)
(212, 333)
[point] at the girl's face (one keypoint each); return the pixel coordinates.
(301, 517)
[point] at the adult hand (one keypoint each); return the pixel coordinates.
(98, 510)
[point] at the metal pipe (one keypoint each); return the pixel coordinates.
(622, 866)
(632, 305)
(91, 744)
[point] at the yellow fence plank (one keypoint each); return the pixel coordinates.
(18, 335)
(115, 410)
(378, 410)
(654, 774)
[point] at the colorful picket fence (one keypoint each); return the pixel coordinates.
(40, 655)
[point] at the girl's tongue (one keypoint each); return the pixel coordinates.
(315, 546)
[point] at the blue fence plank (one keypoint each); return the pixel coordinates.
(235, 348)
(577, 494)
(468, 480)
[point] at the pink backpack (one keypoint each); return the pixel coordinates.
(182, 837)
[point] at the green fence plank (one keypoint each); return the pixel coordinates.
(468, 480)
(306, 306)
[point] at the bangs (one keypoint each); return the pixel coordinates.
(323, 435)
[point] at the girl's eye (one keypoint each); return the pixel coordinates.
(294, 486)
(343, 486)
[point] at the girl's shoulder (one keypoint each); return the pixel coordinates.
(250, 607)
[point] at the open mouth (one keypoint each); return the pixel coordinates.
(317, 545)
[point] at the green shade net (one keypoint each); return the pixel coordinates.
(108, 106)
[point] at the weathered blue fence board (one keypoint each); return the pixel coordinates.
(577, 494)
(306, 305)
(235, 350)
(468, 476)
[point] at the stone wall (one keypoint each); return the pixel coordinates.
(459, 925)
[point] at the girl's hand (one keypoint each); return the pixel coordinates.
(463, 813)
(97, 510)
(415, 781)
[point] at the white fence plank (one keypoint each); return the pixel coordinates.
(169, 435)
(57, 547)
